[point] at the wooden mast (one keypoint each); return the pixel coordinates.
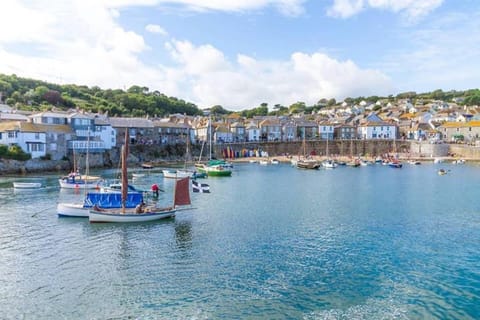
(124, 171)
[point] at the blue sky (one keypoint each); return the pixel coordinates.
(240, 53)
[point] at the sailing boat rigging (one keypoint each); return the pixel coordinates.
(142, 213)
(306, 163)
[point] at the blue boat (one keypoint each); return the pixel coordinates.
(102, 200)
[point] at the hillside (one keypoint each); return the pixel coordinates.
(37, 95)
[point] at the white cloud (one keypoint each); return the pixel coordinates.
(287, 7)
(345, 8)
(247, 82)
(443, 55)
(155, 28)
(412, 9)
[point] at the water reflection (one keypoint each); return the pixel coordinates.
(183, 235)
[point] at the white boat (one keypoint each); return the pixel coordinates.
(274, 161)
(458, 161)
(102, 200)
(27, 185)
(437, 160)
(138, 175)
(329, 164)
(177, 174)
(263, 162)
(117, 188)
(73, 182)
(141, 213)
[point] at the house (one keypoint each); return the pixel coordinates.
(419, 131)
(253, 132)
(460, 131)
(377, 130)
(307, 129)
(326, 130)
(50, 117)
(344, 132)
(168, 132)
(141, 130)
(222, 134)
(270, 130)
(289, 130)
(36, 139)
(238, 131)
(91, 133)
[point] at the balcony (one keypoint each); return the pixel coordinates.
(82, 146)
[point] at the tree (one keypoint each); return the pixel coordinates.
(331, 102)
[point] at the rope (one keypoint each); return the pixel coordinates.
(49, 208)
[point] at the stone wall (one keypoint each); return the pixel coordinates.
(8, 166)
(427, 149)
(464, 151)
(319, 147)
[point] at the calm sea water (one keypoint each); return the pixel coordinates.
(271, 242)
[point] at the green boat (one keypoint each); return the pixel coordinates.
(215, 170)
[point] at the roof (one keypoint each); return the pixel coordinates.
(33, 127)
(131, 122)
(474, 123)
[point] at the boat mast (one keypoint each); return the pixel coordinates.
(87, 168)
(210, 135)
(124, 171)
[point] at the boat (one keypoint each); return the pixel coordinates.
(329, 164)
(102, 200)
(138, 175)
(353, 163)
(414, 162)
(308, 164)
(215, 171)
(395, 164)
(305, 162)
(117, 188)
(146, 166)
(27, 185)
(437, 160)
(75, 181)
(442, 172)
(263, 162)
(274, 161)
(459, 161)
(142, 212)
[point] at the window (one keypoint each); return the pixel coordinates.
(12, 134)
(35, 147)
(37, 135)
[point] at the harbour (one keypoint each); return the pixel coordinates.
(268, 242)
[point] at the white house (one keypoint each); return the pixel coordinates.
(253, 132)
(326, 130)
(377, 130)
(28, 136)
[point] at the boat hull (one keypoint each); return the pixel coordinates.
(74, 210)
(27, 185)
(313, 165)
(78, 184)
(107, 216)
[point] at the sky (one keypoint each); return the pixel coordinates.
(241, 53)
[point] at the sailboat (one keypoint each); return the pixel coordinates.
(305, 163)
(214, 168)
(75, 180)
(328, 163)
(183, 173)
(142, 213)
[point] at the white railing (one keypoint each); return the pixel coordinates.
(83, 145)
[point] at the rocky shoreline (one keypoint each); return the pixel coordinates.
(9, 166)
